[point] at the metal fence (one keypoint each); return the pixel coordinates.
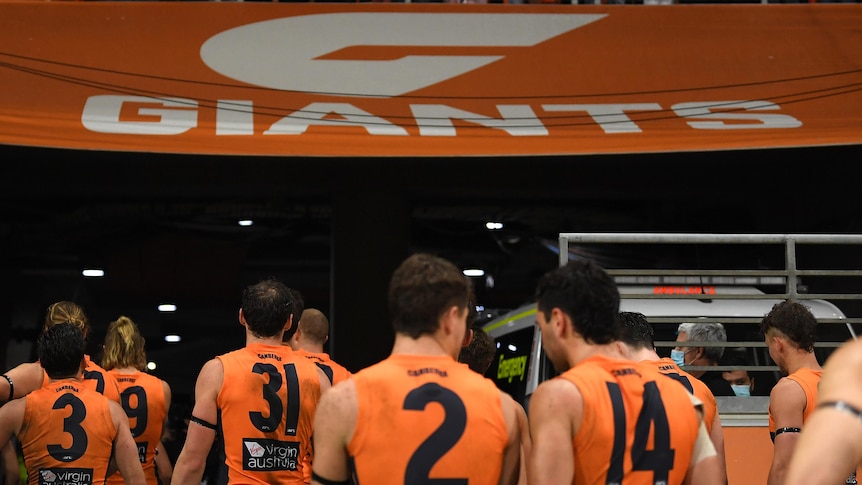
(820, 271)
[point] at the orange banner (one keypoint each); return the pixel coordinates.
(374, 79)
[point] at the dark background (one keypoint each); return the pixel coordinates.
(164, 228)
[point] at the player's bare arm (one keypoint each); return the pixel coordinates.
(787, 405)
(555, 416)
(705, 467)
(829, 447)
(334, 423)
(11, 420)
(512, 456)
(526, 441)
(163, 464)
(21, 380)
(163, 461)
(125, 450)
(191, 463)
(716, 435)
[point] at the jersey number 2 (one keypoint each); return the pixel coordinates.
(659, 459)
(441, 440)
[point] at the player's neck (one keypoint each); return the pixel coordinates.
(646, 354)
(802, 360)
(310, 347)
(126, 370)
(424, 345)
(253, 339)
(74, 377)
(581, 350)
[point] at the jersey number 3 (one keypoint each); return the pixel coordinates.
(71, 425)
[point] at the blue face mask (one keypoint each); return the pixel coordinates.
(741, 390)
(678, 357)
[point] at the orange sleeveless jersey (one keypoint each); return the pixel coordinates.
(693, 385)
(143, 399)
(638, 426)
(266, 413)
(96, 378)
(67, 435)
(333, 370)
(808, 379)
(336, 373)
(423, 418)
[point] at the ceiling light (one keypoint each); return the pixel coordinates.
(151, 365)
(173, 338)
(245, 222)
(474, 272)
(167, 308)
(493, 226)
(93, 273)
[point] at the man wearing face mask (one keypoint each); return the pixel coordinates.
(687, 356)
(740, 380)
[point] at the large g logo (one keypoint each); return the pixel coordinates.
(283, 53)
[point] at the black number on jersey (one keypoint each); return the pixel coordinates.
(442, 439)
(139, 412)
(659, 459)
(98, 377)
(71, 425)
(682, 380)
(276, 407)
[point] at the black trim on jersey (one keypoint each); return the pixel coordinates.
(326, 370)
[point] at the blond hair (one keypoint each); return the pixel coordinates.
(124, 345)
(67, 312)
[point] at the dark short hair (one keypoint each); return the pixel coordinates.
(735, 357)
(61, 350)
(636, 330)
(587, 294)
(297, 305)
(480, 353)
(422, 289)
(794, 320)
(266, 306)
